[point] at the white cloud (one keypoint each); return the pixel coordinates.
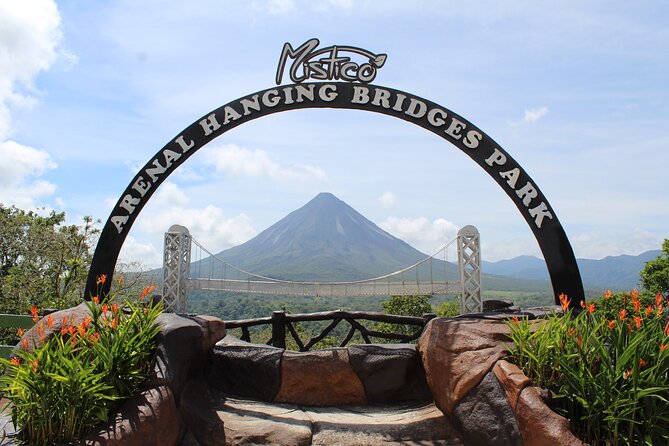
(388, 199)
(533, 115)
(597, 245)
(29, 35)
(421, 233)
(257, 163)
(169, 206)
(19, 165)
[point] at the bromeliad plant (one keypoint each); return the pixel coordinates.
(68, 384)
(608, 366)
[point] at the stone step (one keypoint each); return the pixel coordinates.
(214, 418)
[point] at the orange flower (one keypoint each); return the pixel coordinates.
(612, 324)
(627, 374)
(40, 330)
(114, 323)
(649, 310)
(591, 308)
(63, 321)
(63, 330)
(637, 322)
(634, 294)
(666, 329)
(20, 332)
(515, 320)
(637, 305)
(642, 363)
(662, 347)
(660, 309)
(571, 332)
(34, 365)
(583, 304)
(95, 299)
(15, 361)
(102, 278)
(49, 321)
(94, 337)
(120, 280)
(86, 322)
(33, 312)
(658, 299)
(82, 330)
(105, 308)
(564, 301)
(608, 294)
(579, 340)
(73, 341)
(114, 308)
(24, 343)
(622, 314)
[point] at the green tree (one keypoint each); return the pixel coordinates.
(43, 261)
(404, 306)
(655, 275)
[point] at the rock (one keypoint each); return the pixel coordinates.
(381, 425)
(179, 351)
(145, 419)
(74, 315)
(457, 354)
(319, 378)
(390, 372)
(214, 330)
(512, 379)
(539, 425)
(496, 305)
(8, 433)
(485, 418)
(215, 419)
(189, 440)
(243, 369)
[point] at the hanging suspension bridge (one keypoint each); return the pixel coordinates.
(429, 276)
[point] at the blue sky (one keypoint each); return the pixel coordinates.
(575, 91)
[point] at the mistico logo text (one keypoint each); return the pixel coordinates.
(328, 63)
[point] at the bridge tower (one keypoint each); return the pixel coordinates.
(469, 264)
(176, 268)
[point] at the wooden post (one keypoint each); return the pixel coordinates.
(279, 329)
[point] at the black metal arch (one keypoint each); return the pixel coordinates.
(510, 176)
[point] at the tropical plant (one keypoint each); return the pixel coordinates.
(63, 386)
(609, 371)
(655, 274)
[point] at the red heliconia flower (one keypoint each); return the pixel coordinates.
(662, 347)
(627, 374)
(16, 361)
(642, 363)
(515, 320)
(114, 323)
(666, 329)
(86, 322)
(579, 339)
(105, 308)
(660, 309)
(33, 312)
(20, 332)
(612, 324)
(608, 294)
(649, 310)
(63, 321)
(114, 308)
(95, 299)
(102, 278)
(34, 365)
(637, 305)
(637, 322)
(591, 308)
(24, 343)
(658, 299)
(622, 314)
(564, 301)
(49, 321)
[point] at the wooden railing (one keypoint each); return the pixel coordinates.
(13, 321)
(281, 322)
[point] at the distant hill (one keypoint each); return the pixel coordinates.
(618, 273)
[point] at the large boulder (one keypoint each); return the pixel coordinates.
(539, 425)
(485, 418)
(457, 354)
(243, 369)
(148, 418)
(319, 378)
(390, 372)
(512, 379)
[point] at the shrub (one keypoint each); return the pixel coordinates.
(608, 367)
(70, 383)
